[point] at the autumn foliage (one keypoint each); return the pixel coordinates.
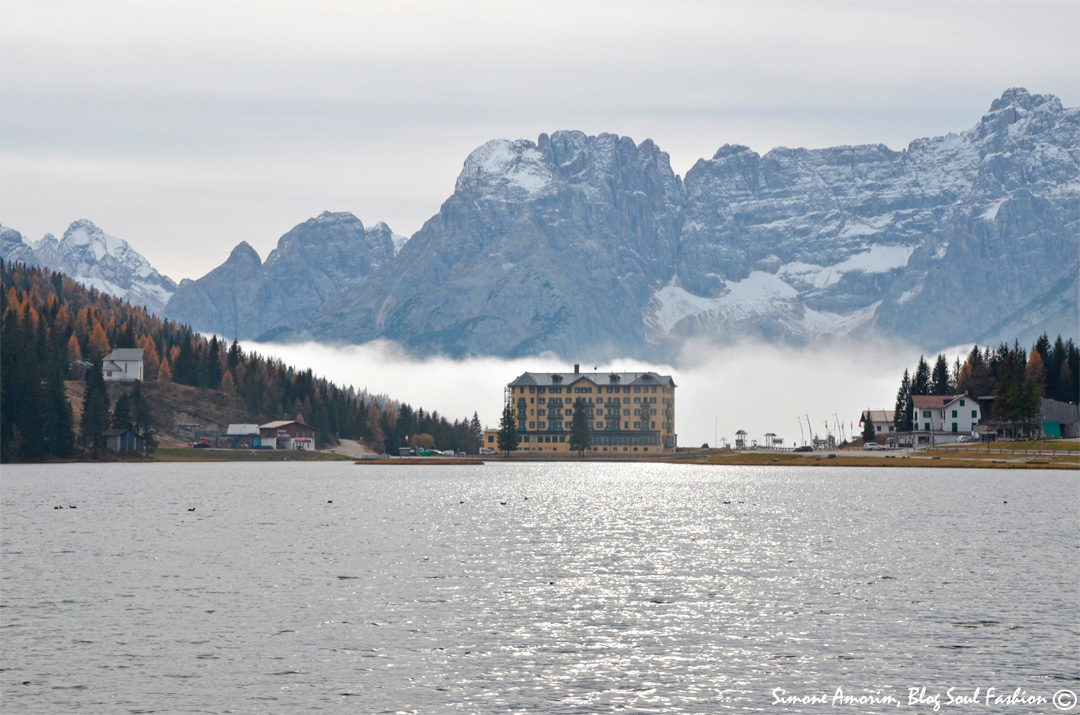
(50, 323)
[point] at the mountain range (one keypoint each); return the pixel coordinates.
(592, 246)
(96, 260)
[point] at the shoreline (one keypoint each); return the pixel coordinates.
(966, 458)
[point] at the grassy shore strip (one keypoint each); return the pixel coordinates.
(841, 460)
(421, 461)
(175, 454)
(1020, 446)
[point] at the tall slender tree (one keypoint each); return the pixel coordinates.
(920, 382)
(142, 418)
(95, 416)
(939, 379)
(580, 428)
(904, 410)
(508, 434)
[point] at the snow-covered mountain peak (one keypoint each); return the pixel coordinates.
(1023, 99)
(338, 217)
(98, 260)
(501, 165)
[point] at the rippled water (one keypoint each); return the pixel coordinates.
(553, 587)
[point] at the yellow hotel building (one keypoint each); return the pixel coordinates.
(631, 413)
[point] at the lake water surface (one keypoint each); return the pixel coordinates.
(549, 587)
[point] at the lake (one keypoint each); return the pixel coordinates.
(554, 587)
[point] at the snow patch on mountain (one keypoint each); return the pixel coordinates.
(817, 322)
(878, 259)
(991, 213)
(757, 294)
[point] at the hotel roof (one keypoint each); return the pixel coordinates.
(602, 379)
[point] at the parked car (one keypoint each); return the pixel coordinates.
(872, 446)
(487, 450)
(804, 448)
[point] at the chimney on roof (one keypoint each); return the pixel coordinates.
(577, 368)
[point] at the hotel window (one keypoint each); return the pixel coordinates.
(961, 403)
(926, 414)
(532, 425)
(974, 414)
(954, 414)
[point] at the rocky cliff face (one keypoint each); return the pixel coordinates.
(934, 243)
(592, 246)
(550, 245)
(94, 259)
(246, 298)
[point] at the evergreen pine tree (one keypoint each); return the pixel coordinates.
(142, 418)
(939, 380)
(95, 416)
(476, 434)
(904, 410)
(580, 429)
(121, 414)
(508, 434)
(920, 383)
(868, 433)
(63, 419)
(235, 355)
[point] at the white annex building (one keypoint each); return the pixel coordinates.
(954, 414)
(123, 364)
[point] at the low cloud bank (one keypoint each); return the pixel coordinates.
(746, 385)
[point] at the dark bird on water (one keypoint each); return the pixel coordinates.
(191, 509)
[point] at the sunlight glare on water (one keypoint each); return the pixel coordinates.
(557, 587)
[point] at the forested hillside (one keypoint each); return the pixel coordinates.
(1016, 380)
(50, 324)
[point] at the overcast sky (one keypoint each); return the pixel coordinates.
(186, 127)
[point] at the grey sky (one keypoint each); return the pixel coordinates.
(186, 127)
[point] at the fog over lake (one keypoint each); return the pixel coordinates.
(721, 388)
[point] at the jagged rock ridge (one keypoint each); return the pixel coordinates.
(94, 259)
(593, 246)
(246, 298)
